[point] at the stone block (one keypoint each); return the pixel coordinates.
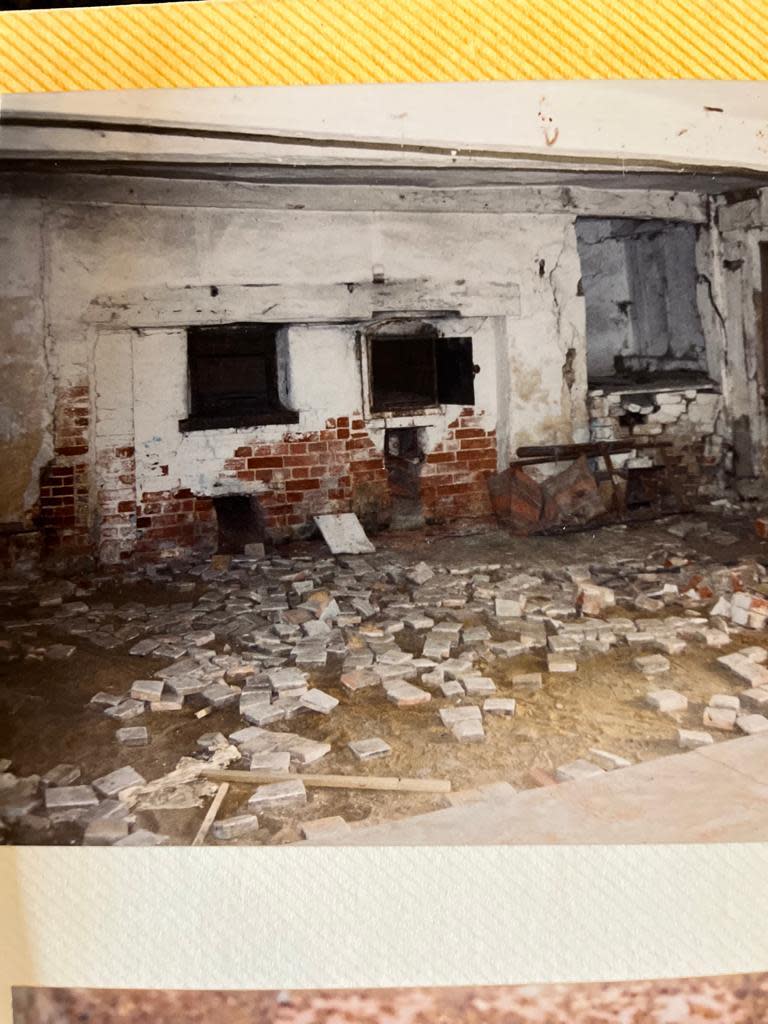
(105, 831)
(368, 749)
(322, 827)
(404, 695)
(667, 701)
(468, 731)
(690, 739)
(115, 782)
(279, 794)
(500, 706)
(133, 736)
(271, 761)
(561, 663)
(720, 718)
(147, 689)
(126, 710)
(744, 668)
(360, 679)
(318, 700)
(234, 828)
(755, 699)
(725, 700)
(61, 775)
(58, 798)
(652, 664)
(752, 724)
(466, 713)
(451, 688)
(478, 685)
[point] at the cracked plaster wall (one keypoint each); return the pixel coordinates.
(533, 381)
(25, 411)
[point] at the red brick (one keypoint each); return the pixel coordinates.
(305, 483)
(266, 462)
(73, 449)
(243, 452)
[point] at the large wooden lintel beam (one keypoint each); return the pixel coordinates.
(345, 301)
(572, 200)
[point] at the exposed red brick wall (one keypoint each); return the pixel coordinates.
(116, 496)
(174, 519)
(63, 510)
(453, 476)
(337, 469)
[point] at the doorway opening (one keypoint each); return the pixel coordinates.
(403, 458)
(240, 520)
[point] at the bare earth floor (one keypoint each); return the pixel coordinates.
(59, 650)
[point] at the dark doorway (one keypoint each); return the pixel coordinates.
(240, 521)
(403, 457)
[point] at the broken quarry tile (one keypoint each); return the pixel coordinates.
(271, 761)
(115, 782)
(279, 794)
(500, 705)
(105, 831)
(367, 749)
(666, 701)
(690, 739)
(468, 730)
(752, 724)
(451, 688)
(755, 699)
(404, 695)
(147, 689)
(576, 770)
(466, 713)
(321, 827)
(757, 654)
(133, 736)
(745, 668)
(319, 701)
(234, 828)
(419, 574)
(594, 599)
(725, 700)
(561, 663)
(652, 664)
(360, 679)
(475, 685)
(126, 710)
(167, 704)
(720, 718)
(61, 775)
(66, 797)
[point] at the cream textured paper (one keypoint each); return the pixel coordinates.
(290, 918)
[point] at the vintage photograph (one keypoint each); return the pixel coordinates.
(727, 1000)
(386, 466)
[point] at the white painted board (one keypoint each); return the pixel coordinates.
(344, 534)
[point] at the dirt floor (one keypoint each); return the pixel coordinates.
(46, 718)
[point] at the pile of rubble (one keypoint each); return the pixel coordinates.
(255, 632)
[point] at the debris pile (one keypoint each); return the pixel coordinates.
(253, 633)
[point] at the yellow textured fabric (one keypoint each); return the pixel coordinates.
(295, 42)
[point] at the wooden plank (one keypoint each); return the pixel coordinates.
(370, 782)
(210, 816)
